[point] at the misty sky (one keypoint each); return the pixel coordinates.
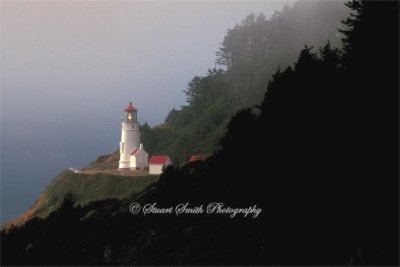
(68, 68)
(98, 55)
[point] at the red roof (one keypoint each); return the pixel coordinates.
(194, 158)
(158, 159)
(130, 108)
(134, 151)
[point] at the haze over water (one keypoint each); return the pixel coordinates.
(68, 69)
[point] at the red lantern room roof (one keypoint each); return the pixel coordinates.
(130, 108)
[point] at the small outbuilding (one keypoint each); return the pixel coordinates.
(138, 159)
(157, 163)
(194, 158)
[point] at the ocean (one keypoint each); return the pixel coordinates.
(30, 161)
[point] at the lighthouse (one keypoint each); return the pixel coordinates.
(130, 148)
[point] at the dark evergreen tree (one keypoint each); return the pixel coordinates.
(249, 55)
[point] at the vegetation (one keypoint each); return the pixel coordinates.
(326, 177)
(249, 55)
(91, 187)
(85, 188)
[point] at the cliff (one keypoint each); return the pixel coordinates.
(85, 188)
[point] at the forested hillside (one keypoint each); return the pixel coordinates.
(85, 188)
(249, 54)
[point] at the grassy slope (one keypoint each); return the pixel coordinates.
(85, 188)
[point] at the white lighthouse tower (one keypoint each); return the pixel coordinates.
(130, 136)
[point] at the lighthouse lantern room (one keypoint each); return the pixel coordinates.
(130, 114)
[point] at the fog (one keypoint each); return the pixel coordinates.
(68, 68)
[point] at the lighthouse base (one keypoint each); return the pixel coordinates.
(124, 165)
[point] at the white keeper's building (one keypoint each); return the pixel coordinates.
(158, 163)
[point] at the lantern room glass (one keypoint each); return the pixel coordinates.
(130, 116)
